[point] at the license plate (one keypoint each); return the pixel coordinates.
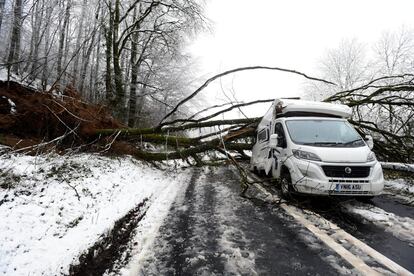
(347, 187)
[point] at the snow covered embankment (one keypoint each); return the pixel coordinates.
(53, 208)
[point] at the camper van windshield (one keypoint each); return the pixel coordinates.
(323, 133)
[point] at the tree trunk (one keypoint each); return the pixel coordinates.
(141, 102)
(14, 51)
(85, 61)
(62, 38)
(48, 42)
(78, 42)
(132, 104)
(95, 72)
(2, 2)
(118, 103)
(36, 39)
(108, 51)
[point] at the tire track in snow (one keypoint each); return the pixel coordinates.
(234, 246)
(186, 245)
(257, 240)
(211, 230)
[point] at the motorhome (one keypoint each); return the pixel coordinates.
(311, 148)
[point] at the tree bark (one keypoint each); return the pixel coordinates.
(108, 54)
(45, 73)
(132, 104)
(15, 38)
(2, 2)
(140, 131)
(78, 42)
(118, 103)
(85, 61)
(63, 31)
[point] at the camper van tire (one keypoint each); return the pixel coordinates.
(255, 171)
(286, 184)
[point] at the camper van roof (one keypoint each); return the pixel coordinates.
(294, 108)
(301, 106)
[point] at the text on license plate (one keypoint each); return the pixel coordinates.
(340, 187)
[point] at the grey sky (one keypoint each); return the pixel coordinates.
(291, 34)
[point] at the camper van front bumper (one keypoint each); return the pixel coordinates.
(322, 178)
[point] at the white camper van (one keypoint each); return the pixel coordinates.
(312, 148)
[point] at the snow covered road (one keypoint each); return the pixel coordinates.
(210, 230)
(93, 215)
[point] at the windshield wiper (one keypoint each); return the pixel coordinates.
(353, 141)
(322, 143)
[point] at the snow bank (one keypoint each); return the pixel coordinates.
(400, 227)
(52, 208)
(398, 166)
(400, 185)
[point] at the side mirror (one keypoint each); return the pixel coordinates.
(273, 141)
(369, 141)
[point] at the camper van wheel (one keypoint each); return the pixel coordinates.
(285, 185)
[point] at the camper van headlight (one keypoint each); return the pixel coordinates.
(306, 155)
(371, 157)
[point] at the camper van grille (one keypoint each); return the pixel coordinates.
(346, 171)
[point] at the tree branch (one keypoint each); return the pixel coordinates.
(210, 80)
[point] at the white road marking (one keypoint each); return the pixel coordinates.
(375, 254)
(355, 261)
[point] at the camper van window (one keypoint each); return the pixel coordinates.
(324, 133)
(262, 136)
(281, 134)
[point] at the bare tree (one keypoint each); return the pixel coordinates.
(346, 65)
(2, 4)
(394, 53)
(15, 38)
(63, 30)
(137, 31)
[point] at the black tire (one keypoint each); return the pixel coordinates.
(255, 171)
(286, 185)
(262, 173)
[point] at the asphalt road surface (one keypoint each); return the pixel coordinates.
(211, 230)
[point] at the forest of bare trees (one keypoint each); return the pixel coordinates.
(376, 80)
(128, 54)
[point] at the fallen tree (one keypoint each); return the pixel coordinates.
(73, 123)
(369, 102)
(35, 122)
